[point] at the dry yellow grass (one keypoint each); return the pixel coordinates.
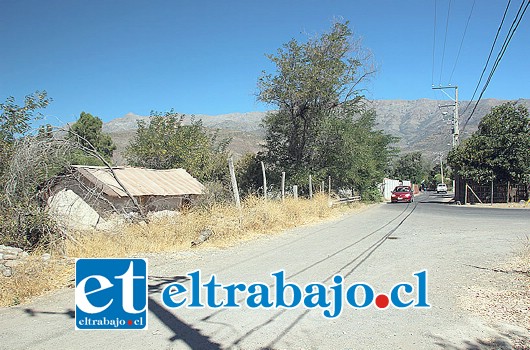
(171, 234)
(228, 225)
(33, 277)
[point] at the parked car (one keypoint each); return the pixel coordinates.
(402, 194)
(441, 188)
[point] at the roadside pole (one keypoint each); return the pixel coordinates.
(234, 182)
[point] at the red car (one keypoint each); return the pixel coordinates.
(402, 194)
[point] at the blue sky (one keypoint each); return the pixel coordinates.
(111, 57)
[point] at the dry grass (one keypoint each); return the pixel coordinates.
(228, 226)
(33, 278)
(172, 234)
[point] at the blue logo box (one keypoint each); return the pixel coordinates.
(111, 294)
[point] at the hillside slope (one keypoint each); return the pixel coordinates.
(420, 124)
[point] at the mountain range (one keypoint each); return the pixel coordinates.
(421, 125)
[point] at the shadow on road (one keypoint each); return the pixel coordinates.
(181, 330)
(360, 259)
(157, 283)
(69, 312)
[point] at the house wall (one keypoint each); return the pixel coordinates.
(157, 203)
(148, 203)
(70, 210)
(80, 205)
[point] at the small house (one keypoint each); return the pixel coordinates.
(86, 196)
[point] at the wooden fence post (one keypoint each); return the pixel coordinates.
(283, 186)
(310, 188)
(329, 186)
(491, 192)
(234, 182)
(264, 181)
(295, 191)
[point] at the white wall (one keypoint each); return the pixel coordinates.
(390, 184)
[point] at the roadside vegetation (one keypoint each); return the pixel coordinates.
(226, 226)
(499, 150)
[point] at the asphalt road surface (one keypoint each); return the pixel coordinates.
(381, 246)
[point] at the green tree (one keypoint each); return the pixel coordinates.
(411, 166)
(435, 175)
(165, 142)
(26, 163)
(87, 132)
(15, 121)
(499, 149)
(312, 80)
(321, 126)
(249, 174)
(353, 153)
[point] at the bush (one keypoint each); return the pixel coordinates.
(27, 227)
(372, 195)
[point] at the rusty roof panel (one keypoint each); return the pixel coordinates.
(141, 181)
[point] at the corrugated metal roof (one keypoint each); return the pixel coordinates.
(141, 181)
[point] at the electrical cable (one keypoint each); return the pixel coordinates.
(445, 41)
(462, 42)
(509, 36)
(433, 44)
(489, 57)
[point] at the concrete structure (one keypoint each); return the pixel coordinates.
(85, 196)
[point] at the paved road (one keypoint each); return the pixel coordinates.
(382, 246)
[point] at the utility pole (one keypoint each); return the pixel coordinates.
(455, 131)
(441, 168)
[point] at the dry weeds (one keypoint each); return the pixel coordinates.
(33, 278)
(505, 295)
(171, 234)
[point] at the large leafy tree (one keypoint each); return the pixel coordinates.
(499, 149)
(312, 79)
(320, 125)
(352, 152)
(87, 132)
(165, 142)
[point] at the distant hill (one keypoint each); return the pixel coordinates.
(420, 125)
(243, 128)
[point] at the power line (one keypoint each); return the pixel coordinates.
(488, 60)
(433, 45)
(511, 32)
(445, 41)
(509, 36)
(507, 40)
(462, 41)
